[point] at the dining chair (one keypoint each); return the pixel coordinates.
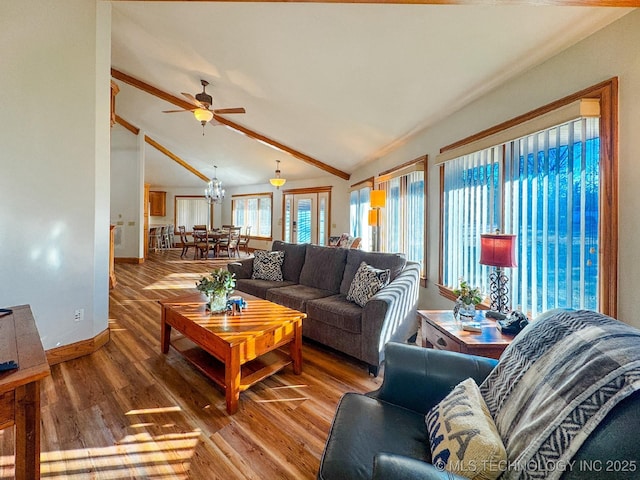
(186, 243)
(243, 241)
(201, 239)
(229, 243)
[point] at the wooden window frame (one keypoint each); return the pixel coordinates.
(269, 195)
(607, 93)
(400, 171)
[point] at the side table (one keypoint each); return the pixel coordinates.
(440, 330)
(20, 388)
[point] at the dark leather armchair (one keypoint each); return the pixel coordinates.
(382, 435)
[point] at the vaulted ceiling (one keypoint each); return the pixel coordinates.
(337, 85)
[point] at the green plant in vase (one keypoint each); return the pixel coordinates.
(217, 286)
(468, 298)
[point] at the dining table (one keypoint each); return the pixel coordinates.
(214, 237)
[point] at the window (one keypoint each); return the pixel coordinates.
(402, 220)
(254, 210)
(358, 213)
(192, 211)
(548, 188)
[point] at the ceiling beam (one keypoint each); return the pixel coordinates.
(132, 128)
(536, 3)
(279, 146)
(177, 101)
(135, 130)
(175, 158)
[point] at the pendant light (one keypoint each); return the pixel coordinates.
(277, 181)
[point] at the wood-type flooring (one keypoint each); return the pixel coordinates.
(129, 412)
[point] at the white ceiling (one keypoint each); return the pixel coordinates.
(342, 83)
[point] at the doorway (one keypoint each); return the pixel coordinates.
(306, 215)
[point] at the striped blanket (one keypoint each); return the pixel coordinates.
(555, 382)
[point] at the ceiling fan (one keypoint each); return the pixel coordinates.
(201, 104)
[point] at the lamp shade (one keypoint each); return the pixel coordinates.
(277, 182)
(373, 218)
(378, 199)
(203, 115)
(498, 250)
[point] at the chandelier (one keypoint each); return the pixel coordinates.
(277, 181)
(214, 193)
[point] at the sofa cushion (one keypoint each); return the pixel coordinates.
(267, 265)
(337, 312)
(258, 288)
(364, 426)
(463, 437)
(395, 262)
(295, 296)
(366, 283)
(323, 267)
(294, 256)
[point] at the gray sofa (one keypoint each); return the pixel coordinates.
(317, 280)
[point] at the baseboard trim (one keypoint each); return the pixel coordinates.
(77, 349)
(133, 260)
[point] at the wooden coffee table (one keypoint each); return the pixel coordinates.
(235, 351)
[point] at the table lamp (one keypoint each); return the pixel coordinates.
(498, 250)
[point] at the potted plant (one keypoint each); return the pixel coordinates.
(217, 285)
(468, 298)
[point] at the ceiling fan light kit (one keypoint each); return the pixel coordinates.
(277, 181)
(214, 193)
(203, 115)
(201, 103)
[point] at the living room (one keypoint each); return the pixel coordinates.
(57, 165)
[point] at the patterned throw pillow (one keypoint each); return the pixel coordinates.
(366, 283)
(463, 437)
(268, 265)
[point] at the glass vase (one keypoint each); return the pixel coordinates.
(217, 302)
(467, 311)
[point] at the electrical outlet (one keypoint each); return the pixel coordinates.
(78, 316)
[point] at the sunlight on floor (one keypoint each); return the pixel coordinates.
(176, 281)
(140, 455)
(144, 411)
(161, 457)
(284, 399)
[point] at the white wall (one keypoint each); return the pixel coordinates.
(126, 192)
(611, 52)
(54, 156)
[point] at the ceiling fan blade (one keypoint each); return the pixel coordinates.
(177, 111)
(193, 100)
(222, 111)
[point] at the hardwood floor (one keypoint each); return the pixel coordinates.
(129, 412)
